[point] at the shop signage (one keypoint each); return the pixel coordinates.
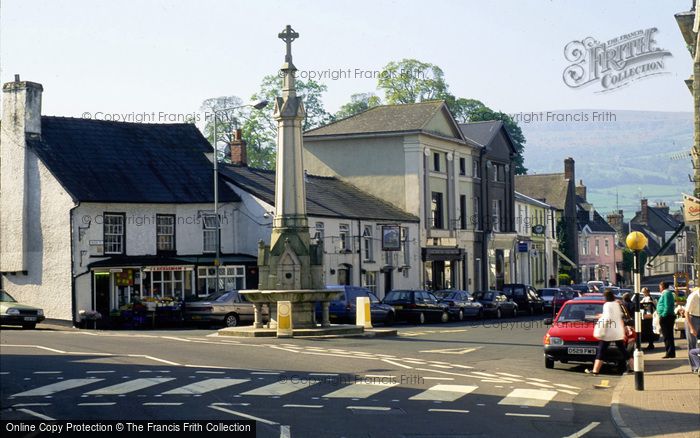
(522, 247)
(391, 238)
(168, 268)
(538, 229)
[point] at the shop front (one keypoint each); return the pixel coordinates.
(441, 267)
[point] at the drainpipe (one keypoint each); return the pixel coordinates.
(72, 264)
(359, 253)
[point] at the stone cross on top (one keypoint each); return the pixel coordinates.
(288, 35)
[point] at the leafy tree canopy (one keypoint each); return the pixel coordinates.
(358, 102)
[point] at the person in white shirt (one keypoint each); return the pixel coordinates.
(614, 331)
(692, 324)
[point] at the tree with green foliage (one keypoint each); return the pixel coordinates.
(410, 81)
(358, 102)
(259, 127)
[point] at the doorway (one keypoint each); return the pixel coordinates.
(102, 293)
(388, 284)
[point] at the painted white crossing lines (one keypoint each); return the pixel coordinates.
(205, 386)
(360, 390)
(56, 387)
(446, 393)
(528, 397)
(279, 388)
(130, 386)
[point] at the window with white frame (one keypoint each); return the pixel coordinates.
(344, 235)
(475, 217)
(165, 232)
(368, 243)
(209, 226)
(584, 246)
(369, 280)
(113, 233)
(607, 247)
(230, 278)
(405, 247)
(496, 214)
(318, 236)
(475, 169)
(597, 247)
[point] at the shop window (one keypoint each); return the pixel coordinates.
(230, 278)
(113, 229)
(368, 243)
(165, 232)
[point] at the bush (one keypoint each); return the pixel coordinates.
(564, 279)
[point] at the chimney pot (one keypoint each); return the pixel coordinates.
(570, 169)
(16, 77)
(239, 155)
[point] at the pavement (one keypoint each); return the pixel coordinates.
(669, 405)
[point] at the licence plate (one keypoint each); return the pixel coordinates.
(30, 318)
(398, 307)
(196, 317)
(573, 350)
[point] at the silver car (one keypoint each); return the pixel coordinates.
(230, 309)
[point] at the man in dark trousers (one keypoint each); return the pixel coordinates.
(666, 308)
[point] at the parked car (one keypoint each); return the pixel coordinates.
(496, 303)
(343, 310)
(525, 296)
(594, 285)
(14, 313)
(417, 306)
(460, 303)
(580, 288)
(555, 297)
(570, 337)
(229, 309)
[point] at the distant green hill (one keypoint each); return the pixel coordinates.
(633, 154)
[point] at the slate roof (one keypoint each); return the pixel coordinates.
(104, 161)
(583, 218)
(550, 188)
(383, 119)
(325, 196)
(481, 133)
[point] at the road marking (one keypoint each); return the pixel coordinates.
(56, 387)
(438, 378)
(204, 386)
(360, 390)
(3, 373)
(369, 408)
(479, 373)
(584, 431)
(397, 364)
(27, 405)
(323, 374)
(303, 406)
(98, 404)
(161, 404)
(528, 397)
(561, 385)
(99, 372)
(537, 380)
(467, 367)
(244, 415)
(47, 372)
(211, 372)
(266, 373)
(416, 362)
(289, 349)
(456, 411)
(446, 372)
(36, 414)
(285, 432)
(167, 362)
(567, 391)
(230, 404)
(541, 385)
(130, 386)
(509, 375)
(381, 376)
(451, 351)
(513, 414)
(279, 388)
(446, 393)
(439, 366)
(53, 350)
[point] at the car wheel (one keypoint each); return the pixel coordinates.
(390, 318)
(29, 326)
(445, 316)
(421, 318)
(231, 320)
(498, 313)
(460, 315)
(548, 363)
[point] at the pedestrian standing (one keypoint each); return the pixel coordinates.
(648, 307)
(627, 302)
(610, 328)
(692, 324)
(667, 317)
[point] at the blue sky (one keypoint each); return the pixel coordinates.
(156, 55)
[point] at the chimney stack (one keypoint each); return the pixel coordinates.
(21, 119)
(569, 169)
(581, 190)
(644, 213)
(617, 221)
(239, 153)
(661, 205)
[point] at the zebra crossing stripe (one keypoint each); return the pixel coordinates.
(528, 397)
(446, 393)
(130, 386)
(56, 387)
(360, 390)
(280, 388)
(204, 386)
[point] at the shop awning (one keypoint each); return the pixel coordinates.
(668, 243)
(566, 259)
(152, 261)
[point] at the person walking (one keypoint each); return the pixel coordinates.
(648, 307)
(610, 328)
(667, 317)
(692, 325)
(627, 302)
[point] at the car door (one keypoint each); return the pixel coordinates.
(378, 313)
(431, 302)
(243, 308)
(507, 304)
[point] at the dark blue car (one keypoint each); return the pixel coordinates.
(343, 310)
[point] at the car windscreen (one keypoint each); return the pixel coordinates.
(228, 296)
(352, 294)
(549, 292)
(398, 295)
(443, 294)
(487, 296)
(6, 298)
(578, 312)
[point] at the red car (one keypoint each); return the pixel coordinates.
(570, 337)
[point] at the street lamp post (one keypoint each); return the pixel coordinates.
(259, 105)
(637, 241)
